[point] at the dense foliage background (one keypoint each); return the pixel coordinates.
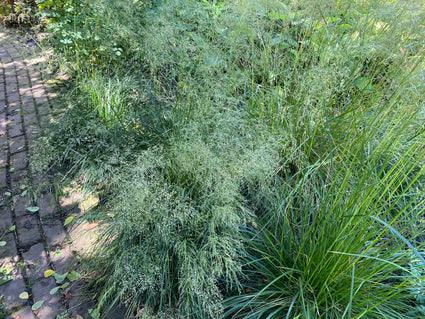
(255, 159)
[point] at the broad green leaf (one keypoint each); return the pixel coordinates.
(12, 228)
(33, 209)
(60, 278)
(65, 285)
(68, 220)
(37, 305)
(8, 194)
(5, 280)
(5, 271)
(73, 275)
(57, 253)
(24, 295)
(54, 290)
(24, 193)
(2, 243)
(49, 273)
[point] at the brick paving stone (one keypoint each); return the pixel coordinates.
(24, 90)
(62, 258)
(47, 205)
(3, 178)
(14, 118)
(24, 313)
(38, 92)
(54, 232)
(11, 80)
(83, 236)
(16, 130)
(8, 253)
(78, 304)
(10, 292)
(14, 97)
(35, 261)
(5, 220)
(24, 82)
(16, 144)
(27, 98)
(52, 305)
(32, 130)
(27, 228)
(22, 72)
(11, 110)
(3, 154)
(3, 137)
(3, 143)
(3, 125)
(20, 206)
(18, 160)
(28, 108)
(12, 89)
(11, 107)
(18, 179)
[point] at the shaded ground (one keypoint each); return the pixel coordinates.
(32, 234)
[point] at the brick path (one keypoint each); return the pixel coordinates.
(31, 240)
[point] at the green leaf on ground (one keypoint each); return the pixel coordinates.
(60, 278)
(5, 280)
(5, 271)
(65, 285)
(12, 228)
(57, 253)
(8, 194)
(24, 295)
(37, 305)
(24, 193)
(33, 209)
(68, 220)
(2, 243)
(73, 275)
(54, 290)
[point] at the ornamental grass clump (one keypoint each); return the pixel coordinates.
(340, 245)
(171, 242)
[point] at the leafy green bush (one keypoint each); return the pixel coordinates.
(92, 32)
(18, 12)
